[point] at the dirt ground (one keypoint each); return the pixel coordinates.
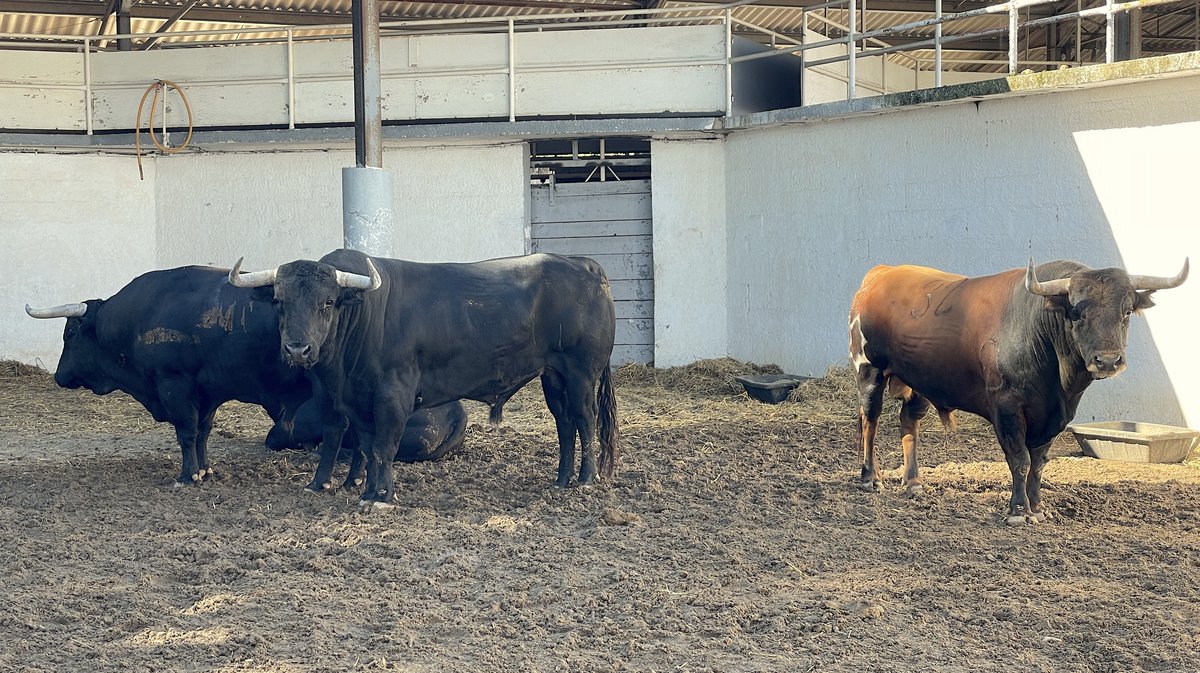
(734, 539)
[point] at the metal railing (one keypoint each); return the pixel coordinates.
(857, 44)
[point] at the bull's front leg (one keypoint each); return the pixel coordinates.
(176, 397)
(355, 477)
(393, 406)
(203, 431)
(1033, 486)
(1010, 432)
(334, 425)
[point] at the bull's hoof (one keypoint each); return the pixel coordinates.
(1038, 517)
(367, 505)
(561, 484)
(914, 490)
(870, 486)
(180, 484)
(314, 487)
(1018, 519)
(350, 484)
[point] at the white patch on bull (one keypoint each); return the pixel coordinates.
(162, 335)
(858, 344)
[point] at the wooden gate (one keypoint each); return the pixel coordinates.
(611, 223)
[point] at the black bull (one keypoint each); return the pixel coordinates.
(431, 434)
(387, 336)
(181, 342)
(1017, 348)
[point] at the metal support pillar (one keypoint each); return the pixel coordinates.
(124, 24)
(367, 210)
(367, 203)
(368, 112)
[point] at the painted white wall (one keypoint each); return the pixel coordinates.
(1103, 175)
(688, 179)
(622, 71)
(453, 203)
(81, 226)
(73, 228)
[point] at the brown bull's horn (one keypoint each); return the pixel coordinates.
(1159, 282)
(359, 281)
(252, 278)
(1049, 288)
(64, 311)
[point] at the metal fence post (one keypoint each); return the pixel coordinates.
(851, 74)
(1013, 33)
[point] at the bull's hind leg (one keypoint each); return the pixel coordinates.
(584, 410)
(870, 395)
(911, 412)
(554, 388)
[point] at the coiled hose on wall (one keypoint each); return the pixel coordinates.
(158, 87)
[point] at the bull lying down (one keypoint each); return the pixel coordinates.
(1018, 348)
(430, 434)
(182, 342)
(386, 337)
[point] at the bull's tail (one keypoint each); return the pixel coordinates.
(610, 449)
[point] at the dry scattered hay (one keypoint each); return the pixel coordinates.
(712, 378)
(11, 369)
(834, 398)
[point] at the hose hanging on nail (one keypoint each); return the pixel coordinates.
(157, 87)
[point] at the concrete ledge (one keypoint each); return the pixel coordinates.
(1022, 84)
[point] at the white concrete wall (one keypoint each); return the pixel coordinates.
(1105, 176)
(688, 181)
(73, 228)
(81, 227)
(624, 71)
(453, 203)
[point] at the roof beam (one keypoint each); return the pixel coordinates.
(168, 23)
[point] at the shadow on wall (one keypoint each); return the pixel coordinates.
(1095, 175)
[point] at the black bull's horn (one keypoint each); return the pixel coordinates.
(1062, 285)
(344, 279)
(64, 311)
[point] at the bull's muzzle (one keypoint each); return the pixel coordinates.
(1106, 364)
(299, 354)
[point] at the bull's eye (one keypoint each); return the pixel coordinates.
(1128, 312)
(328, 304)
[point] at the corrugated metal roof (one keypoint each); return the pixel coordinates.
(1166, 28)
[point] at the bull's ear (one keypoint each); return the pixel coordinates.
(350, 296)
(1142, 300)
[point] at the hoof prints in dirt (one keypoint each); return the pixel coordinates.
(735, 538)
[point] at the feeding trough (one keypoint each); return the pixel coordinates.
(1135, 442)
(770, 388)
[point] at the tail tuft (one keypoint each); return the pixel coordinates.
(610, 450)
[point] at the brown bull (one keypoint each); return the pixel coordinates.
(1009, 347)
